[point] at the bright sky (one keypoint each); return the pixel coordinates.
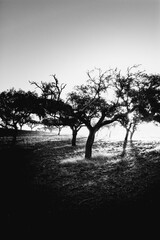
(69, 37)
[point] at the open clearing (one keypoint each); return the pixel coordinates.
(47, 180)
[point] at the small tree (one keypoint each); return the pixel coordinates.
(32, 123)
(109, 128)
(51, 124)
(74, 124)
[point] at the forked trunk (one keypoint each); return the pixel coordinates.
(89, 145)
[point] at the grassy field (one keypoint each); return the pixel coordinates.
(49, 184)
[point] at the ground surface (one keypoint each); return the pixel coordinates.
(48, 184)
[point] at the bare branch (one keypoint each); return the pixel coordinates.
(36, 84)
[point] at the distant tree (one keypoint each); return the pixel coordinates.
(130, 123)
(109, 128)
(59, 130)
(16, 108)
(74, 123)
(32, 123)
(52, 124)
(70, 118)
(47, 125)
(66, 120)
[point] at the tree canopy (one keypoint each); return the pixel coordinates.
(106, 97)
(16, 107)
(150, 98)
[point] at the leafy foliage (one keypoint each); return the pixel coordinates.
(16, 107)
(150, 98)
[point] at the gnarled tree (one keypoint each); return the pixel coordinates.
(93, 105)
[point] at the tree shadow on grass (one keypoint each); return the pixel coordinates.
(131, 180)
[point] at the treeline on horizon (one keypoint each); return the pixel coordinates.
(106, 97)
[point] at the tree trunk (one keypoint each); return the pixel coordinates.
(125, 142)
(89, 144)
(59, 131)
(74, 137)
(131, 135)
(132, 132)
